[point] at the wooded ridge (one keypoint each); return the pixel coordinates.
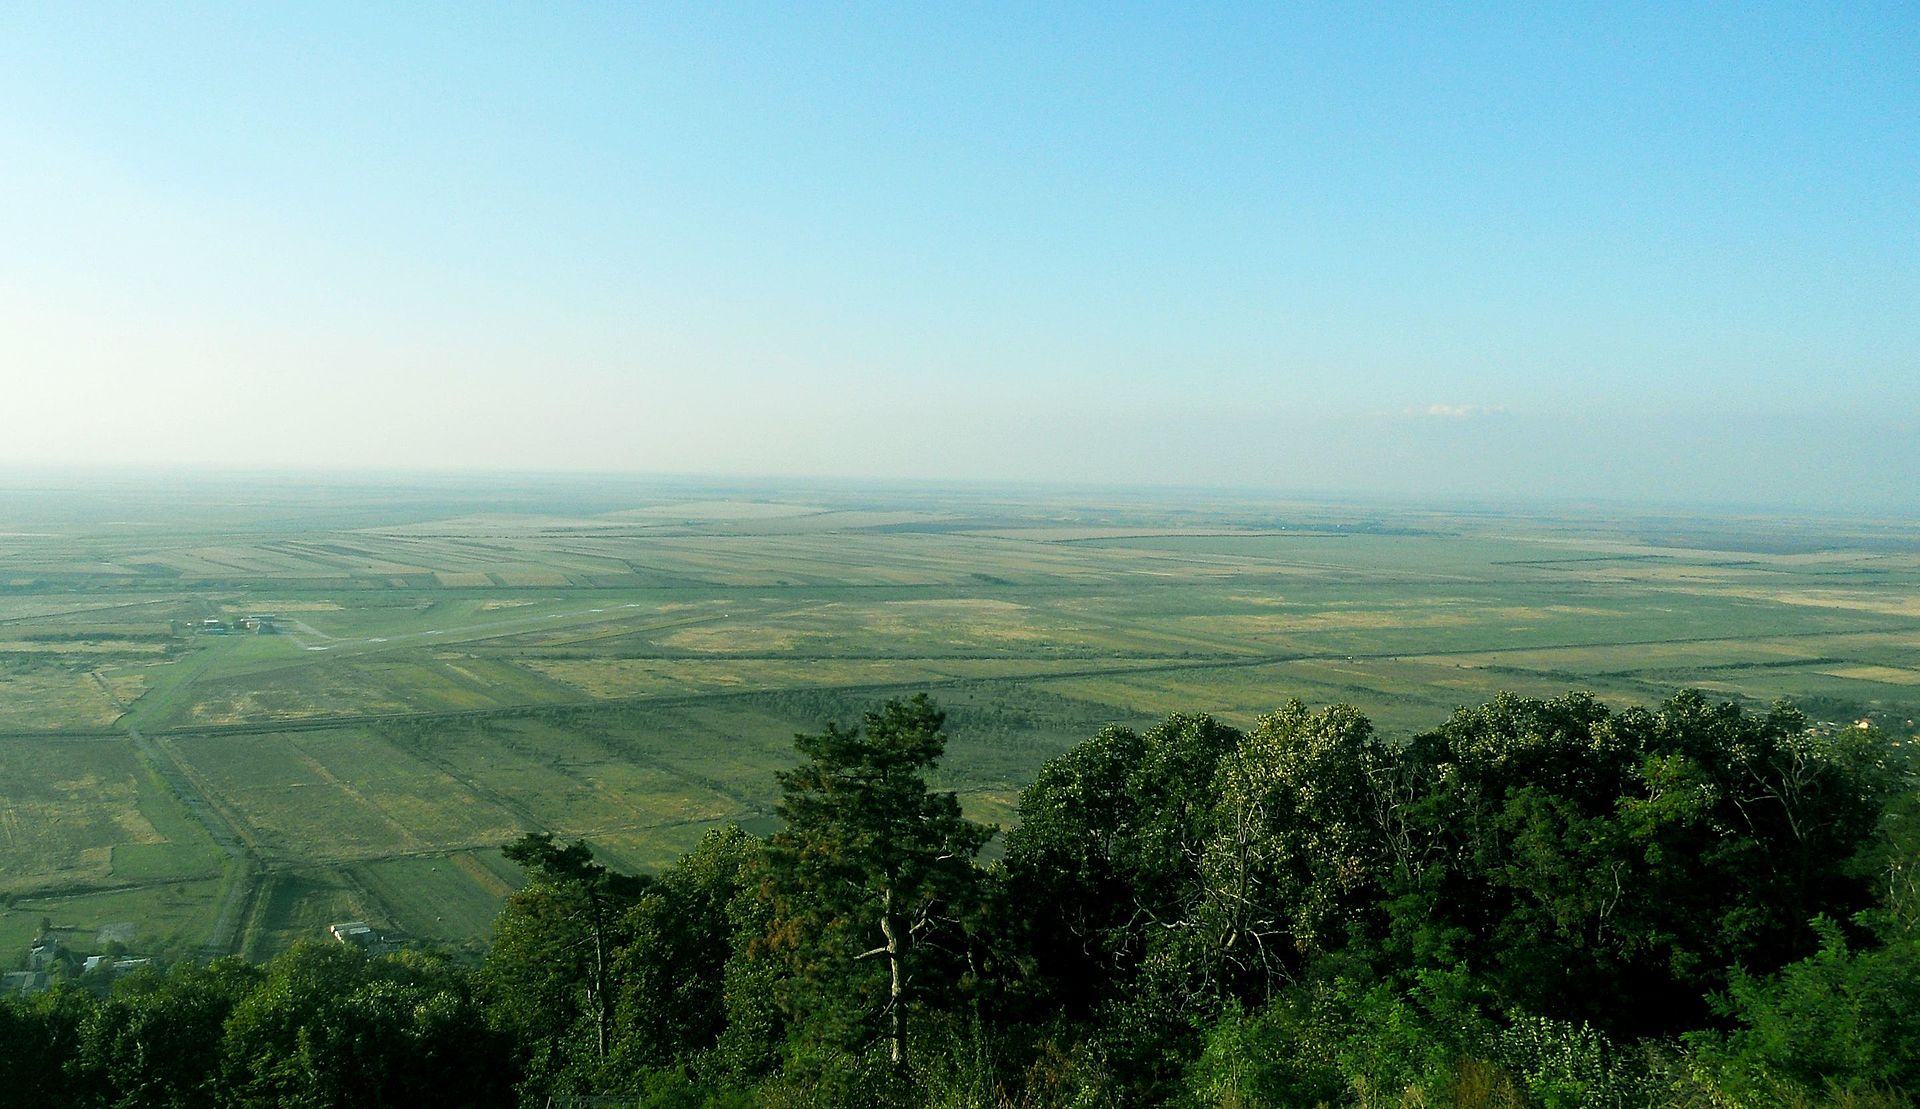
(1538, 902)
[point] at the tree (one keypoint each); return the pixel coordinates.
(872, 864)
(37, 1032)
(1611, 868)
(329, 1027)
(681, 934)
(1073, 852)
(549, 977)
(157, 1040)
(1111, 836)
(1841, 1018)
(1300, 841)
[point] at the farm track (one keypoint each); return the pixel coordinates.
(244, 874)
(1053, 582)
(450, 850)
(89, 888)
(90, 610)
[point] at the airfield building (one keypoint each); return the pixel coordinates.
(354, 932)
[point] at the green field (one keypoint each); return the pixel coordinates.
(453, 665)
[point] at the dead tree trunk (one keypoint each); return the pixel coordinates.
(897, 987)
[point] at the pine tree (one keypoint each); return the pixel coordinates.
(872, 865)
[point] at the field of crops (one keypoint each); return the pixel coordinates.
(279, 706)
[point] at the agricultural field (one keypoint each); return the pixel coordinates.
(234, 711)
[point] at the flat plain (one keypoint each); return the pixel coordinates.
(234, 710)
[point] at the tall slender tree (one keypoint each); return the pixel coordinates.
(872, 865)
(552, 960)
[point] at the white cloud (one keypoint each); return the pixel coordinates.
(1457, 411)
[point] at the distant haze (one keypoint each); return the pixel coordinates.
(1633, 252)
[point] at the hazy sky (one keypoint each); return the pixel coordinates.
(1550, 249)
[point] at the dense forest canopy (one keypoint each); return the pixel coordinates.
(1539, 902)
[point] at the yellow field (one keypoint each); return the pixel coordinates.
(1886, 674)
(58, 699)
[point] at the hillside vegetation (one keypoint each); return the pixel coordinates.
(1538, 902)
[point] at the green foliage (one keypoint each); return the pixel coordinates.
(549, 979)
(1283, 1055)
(872, 869)
(1111, 838)
(1347, 1042)
(329, 1027)
(1525, 907)
(156, 1041)
(1842, 1019)
(37, 1035)
(1612, 868)
(1573, 1066)
(679, 938)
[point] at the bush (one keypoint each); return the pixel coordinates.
(1842, 1021)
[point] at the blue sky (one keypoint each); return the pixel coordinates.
(1539, 250)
